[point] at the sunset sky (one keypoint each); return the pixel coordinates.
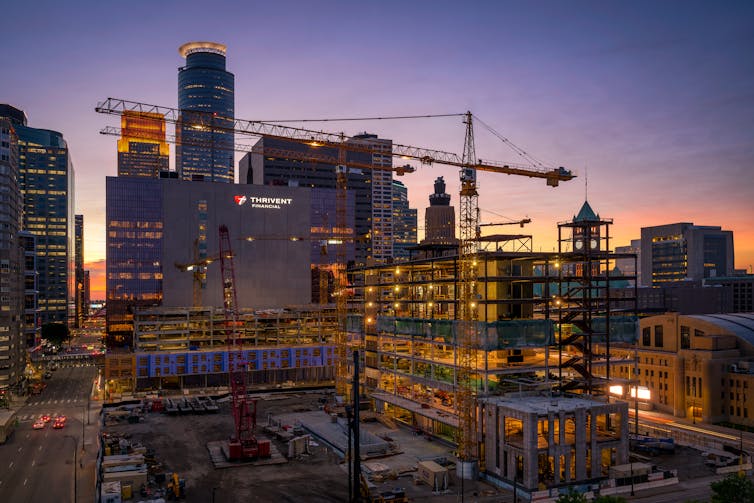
(654, 101)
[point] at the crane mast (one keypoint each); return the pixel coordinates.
(243, 443)
(466, 347)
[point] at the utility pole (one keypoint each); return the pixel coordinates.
(355, 423)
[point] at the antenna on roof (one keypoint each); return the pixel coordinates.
(586, 183)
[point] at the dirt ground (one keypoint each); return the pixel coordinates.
(179, 443)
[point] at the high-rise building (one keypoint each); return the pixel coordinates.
(684, 251)
(11, 263)
(165, 249)
(81, 307)
(439, 218)
(206, 102)
(142, 149)
(31, 291)
(371, 188)
(629, 266)
(47, 180)
(404, 222)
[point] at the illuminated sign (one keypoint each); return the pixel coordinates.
(274, 203)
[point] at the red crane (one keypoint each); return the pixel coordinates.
(243, 444)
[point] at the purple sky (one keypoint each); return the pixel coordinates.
(654, 99)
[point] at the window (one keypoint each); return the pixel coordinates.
(646, 337)
(658, 336)
(685, 337)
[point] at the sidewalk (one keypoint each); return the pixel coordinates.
(87, 474)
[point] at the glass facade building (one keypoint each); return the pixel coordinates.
(134, 252)
(81, 307)
(46, 178)
(684, 252)
(142, 149)
(372, 189)
(31, 290)
(204, 150)
(11, 273)
(404, 222)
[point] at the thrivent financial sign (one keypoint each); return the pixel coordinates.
(274, 203)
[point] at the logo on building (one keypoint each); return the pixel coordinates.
(274, 203)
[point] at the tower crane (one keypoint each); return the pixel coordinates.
(243, 443)
(468, 165)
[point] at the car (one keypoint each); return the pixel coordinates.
(39, 424)
(58, 423)
(48, 375)
(62, 419)
(45, 418)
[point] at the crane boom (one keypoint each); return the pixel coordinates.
(210, 121)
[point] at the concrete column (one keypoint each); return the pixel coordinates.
(580, 443)
(530, 450)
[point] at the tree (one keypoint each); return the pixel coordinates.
(733, 489)
(609, 499)
(56, 333)
(571, 497)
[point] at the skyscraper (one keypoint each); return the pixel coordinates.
(12, 349)
(440, 217)
(47, 179)
(684, 251)
(142, 149)
(81, 309)
(31, 291)
(204, 151)
(404, 222)
(371, 188)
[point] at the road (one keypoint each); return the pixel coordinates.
(38, 465)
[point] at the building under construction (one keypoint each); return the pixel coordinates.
(177, 348)
(544, 322)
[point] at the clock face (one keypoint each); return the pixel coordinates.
(579, 244)
(593, 243)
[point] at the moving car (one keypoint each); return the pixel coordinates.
(39, 424)
(59, 422)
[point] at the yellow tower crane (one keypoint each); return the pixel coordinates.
(468, 164)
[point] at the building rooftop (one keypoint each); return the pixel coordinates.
(542, 405)
(192, 47)
(739, 324)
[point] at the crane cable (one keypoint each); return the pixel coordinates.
(521, 152)
(348, 119)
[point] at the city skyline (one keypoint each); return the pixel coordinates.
(649, 103)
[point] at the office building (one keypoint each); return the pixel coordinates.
(142, 149)
(302, 165)
(204, 151)
(81, 308)
(741, 291)
(182, 348)
(684, 251)
(404, 223)
(699, 367)
(47, 184)
(164, 251)
(440, 218)
(32, 327)
(630, 266)
(12, 346)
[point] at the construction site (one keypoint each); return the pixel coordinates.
(499, 353)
